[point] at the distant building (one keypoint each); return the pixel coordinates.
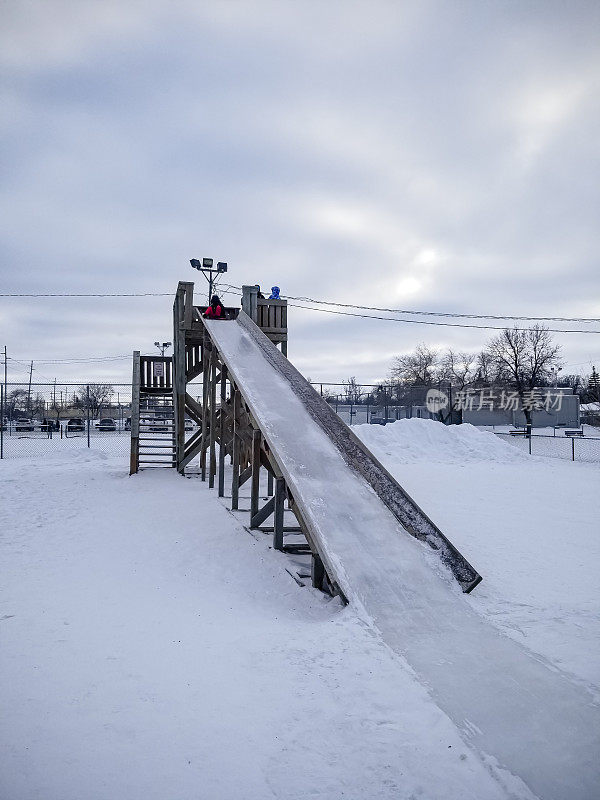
(550, 407)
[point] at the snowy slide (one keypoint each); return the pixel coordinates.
(530, 720)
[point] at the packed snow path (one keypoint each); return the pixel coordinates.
(532, 720)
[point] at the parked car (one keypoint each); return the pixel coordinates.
(107, 425)
(49, 424)
(75, 424)
(159, 426)
(23, 424)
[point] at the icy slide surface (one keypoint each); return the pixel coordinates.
(531, 720)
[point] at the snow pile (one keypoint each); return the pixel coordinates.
(418, 440)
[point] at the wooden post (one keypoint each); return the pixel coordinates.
(235, 481)
(134, 460)
(222, 431)
(205, 376)
(317, 571)
(256, 440)
(179, 376)
(249, 302)
(212, 466)
(278, 514)
(269, 482)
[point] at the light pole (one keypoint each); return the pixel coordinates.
(207, 269)
(162, 346)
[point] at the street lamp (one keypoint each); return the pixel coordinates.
(207, 269)
(162, 346)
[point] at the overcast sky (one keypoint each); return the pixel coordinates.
(417, 155)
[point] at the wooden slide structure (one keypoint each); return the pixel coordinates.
(369, 542)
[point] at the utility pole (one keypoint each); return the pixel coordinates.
(29, 389)
(5, 372)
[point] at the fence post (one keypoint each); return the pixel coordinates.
(1, 420)
(88, 414)
(573, 447)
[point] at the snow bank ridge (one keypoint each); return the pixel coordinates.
(425, 440)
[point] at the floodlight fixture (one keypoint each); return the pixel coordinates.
(162, 346)
(208, 270)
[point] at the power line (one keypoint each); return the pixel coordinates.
(97, 294)
(451, 314)
(228, 287)
(446, 313)
(427, 322)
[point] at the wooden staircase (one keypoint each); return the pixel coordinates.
(152, 413)
(156, 441)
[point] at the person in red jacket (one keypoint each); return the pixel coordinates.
(215, 310)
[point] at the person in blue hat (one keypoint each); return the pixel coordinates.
(274, 293)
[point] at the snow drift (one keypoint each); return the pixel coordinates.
(418, 440)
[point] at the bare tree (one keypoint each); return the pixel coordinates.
(418, 368)
(457, 368)
(353, 393)
(38, 405)
(524, 357)
(486, 370)
(16, 402)
(100, 393)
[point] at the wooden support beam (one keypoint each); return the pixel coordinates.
(279, 499)
(205, 368)
(262, 513)
(269, 483)
(192, 448)
(235, 481)
(245, 475)
(317, 571)
(179, 376)
(134, 458)
(286, 529)
(222, 446)
(256, 442)
(193, 408)
(297, 549)
(212, 465)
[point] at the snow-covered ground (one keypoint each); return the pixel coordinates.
(528, 524)
(153, 648)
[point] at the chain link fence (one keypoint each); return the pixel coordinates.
(40, 419)
(360, 404)
(577, 447)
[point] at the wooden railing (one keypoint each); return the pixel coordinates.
(271, 315)
(156, 374)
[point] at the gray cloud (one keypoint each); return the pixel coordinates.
(429, 155)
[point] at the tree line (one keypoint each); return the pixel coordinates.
(24, 403)
(517, 359)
